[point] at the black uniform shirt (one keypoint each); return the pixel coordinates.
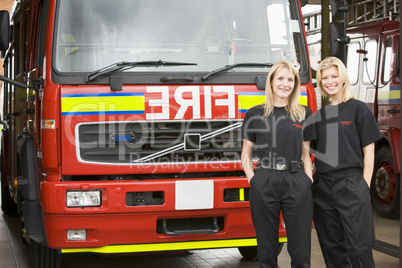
(342, 132)
(277, 139)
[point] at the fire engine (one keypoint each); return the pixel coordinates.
(370, 50)
(122, 120)
(373, 66)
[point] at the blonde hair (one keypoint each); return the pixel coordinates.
(343, 76)
(295, 110)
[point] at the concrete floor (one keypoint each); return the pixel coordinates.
(14, 254)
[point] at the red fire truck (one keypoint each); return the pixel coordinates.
(374, 68)
(121, 120)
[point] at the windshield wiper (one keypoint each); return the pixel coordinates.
(233, 66)
(125, 65)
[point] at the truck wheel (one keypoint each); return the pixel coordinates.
(385, 192)
(41, 256)
(251, 253)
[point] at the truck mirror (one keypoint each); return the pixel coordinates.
(337, 10)
(338, 40)
(4, 30)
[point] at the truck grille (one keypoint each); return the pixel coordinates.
(159, 142)
(176, 227)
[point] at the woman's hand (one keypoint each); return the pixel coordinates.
(247, 159)
(306, 158)
(368, 152)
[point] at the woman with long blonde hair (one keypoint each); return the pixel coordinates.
(344, 158)
(296, 111)
(283, 177)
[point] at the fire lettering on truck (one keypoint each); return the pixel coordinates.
(190, 102)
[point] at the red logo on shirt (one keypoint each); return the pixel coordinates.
(345, 122)
(298, 126)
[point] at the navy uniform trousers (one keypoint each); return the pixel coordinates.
(275, 191)
(343, 218)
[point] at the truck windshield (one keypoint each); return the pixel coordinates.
(92, 34)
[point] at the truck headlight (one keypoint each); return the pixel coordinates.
(76, 235)
(78, 198)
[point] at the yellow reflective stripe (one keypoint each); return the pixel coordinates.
(241, 194)
(91, 104)
(303, 100)
(283, 239)
(170, 246)
(389, 95)
(248, 101)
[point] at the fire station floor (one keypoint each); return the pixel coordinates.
(14, 254)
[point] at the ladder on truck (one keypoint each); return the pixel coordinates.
(372, 10)
(312, 22)
(359, 11)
